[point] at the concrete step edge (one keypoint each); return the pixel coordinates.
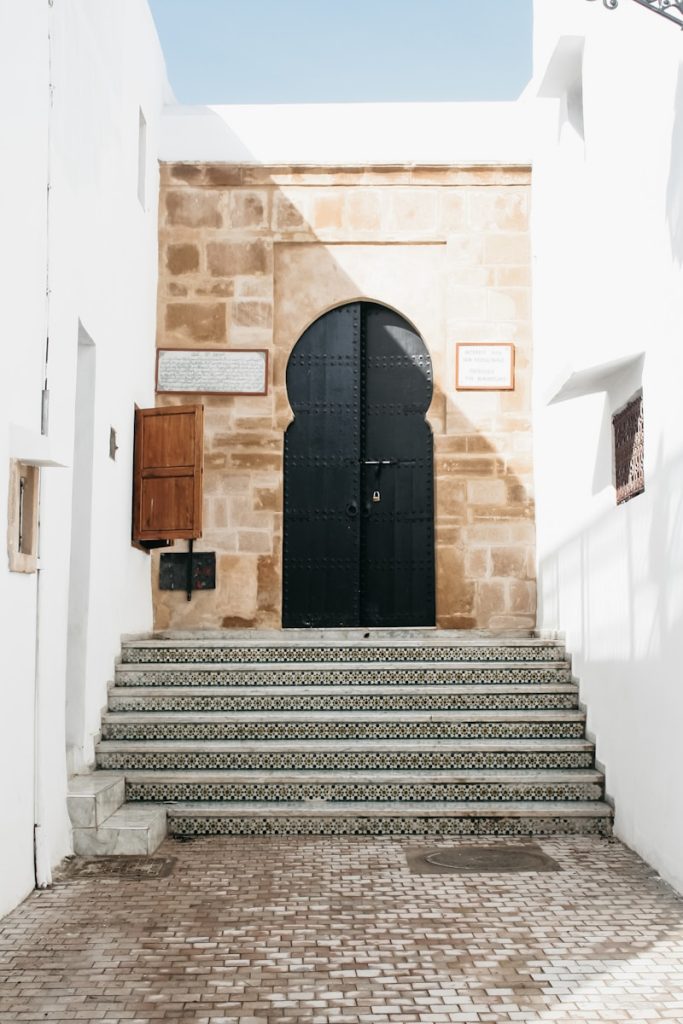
(212, 776)
(339, 689)
(326, 638)
(342, 746)
(93, 796)
(346, 666)
(475, 808)
(350, 716)
(133, 829)
(135, 816)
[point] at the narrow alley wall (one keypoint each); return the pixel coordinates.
(81, 271)
(608, 320)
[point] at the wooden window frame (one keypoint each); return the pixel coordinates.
(628, 445)
(146, 539)
(22, 517)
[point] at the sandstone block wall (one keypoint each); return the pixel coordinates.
(250, 256)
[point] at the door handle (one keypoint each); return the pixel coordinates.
(352, 509)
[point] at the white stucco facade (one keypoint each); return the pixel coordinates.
(607, 236)
(350, 134)
(603, 121)
(94, 247)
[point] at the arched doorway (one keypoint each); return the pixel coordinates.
(358, 484)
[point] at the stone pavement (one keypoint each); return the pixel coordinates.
(339, 930)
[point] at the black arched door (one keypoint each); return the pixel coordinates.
(359, 508)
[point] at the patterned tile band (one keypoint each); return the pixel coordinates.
(360, 791)
(357, 702)
(512, 676)
(346, 677)
(301, 760)
(300, 653)
(340, 730)
(295, 826)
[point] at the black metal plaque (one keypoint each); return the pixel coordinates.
(173, 570)
(359, 517)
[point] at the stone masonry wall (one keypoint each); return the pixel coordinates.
(250, 256)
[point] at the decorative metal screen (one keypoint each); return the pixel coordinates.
(670, 9)
(629, 447)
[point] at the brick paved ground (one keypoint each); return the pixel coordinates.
(339, 930)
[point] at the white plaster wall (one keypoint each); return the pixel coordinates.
(23, 30)
(607, 232)
(350, 133)
(105, 278)
(106, 64)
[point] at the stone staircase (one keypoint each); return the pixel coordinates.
(103, 824)
(392, 732)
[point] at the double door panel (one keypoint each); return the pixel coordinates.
(358, 525)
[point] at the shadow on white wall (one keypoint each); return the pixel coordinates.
(674, 191)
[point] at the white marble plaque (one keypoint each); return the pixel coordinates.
(212, 371)
(485, 367)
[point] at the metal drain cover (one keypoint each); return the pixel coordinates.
(469, 860)
(132, 868)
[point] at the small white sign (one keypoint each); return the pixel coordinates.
(488, 366)
(212, 371)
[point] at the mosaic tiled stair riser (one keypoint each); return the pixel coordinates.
(389, 730)
(297, 654)
(291, 700)
(433, 735)
(302, 760)
(241, 674)
(564, 789)
(181, 825)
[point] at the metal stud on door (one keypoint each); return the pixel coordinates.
(358, 523)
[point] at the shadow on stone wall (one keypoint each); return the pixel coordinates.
(249, 257)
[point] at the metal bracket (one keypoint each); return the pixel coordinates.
(672, 10)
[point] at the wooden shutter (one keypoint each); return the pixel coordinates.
(167, 476)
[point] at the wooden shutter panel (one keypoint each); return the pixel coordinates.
(168, 471)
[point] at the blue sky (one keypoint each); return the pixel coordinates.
(307, 51)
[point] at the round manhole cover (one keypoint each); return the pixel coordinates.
(491, 859)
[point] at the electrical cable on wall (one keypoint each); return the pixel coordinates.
(41, 852)
(45, 394)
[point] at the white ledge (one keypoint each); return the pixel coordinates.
(349, 133)
(589, 380)
(32, 448)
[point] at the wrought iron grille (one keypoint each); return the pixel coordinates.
(672, 10)
(629, 446)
